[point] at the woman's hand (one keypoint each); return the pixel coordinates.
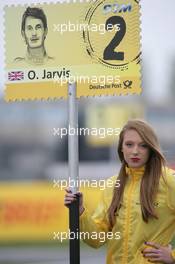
(70, 198)
(158, 253)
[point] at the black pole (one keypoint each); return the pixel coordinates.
(74, 175)
(74, 242)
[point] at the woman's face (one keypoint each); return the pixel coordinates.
(135, 151)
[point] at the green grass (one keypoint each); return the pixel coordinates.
(52, 244)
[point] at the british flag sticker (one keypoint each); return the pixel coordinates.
(15, 75)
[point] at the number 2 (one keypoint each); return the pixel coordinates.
(109, 53)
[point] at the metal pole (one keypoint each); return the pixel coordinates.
(73, 156)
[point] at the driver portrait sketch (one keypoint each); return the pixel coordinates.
(34, 31)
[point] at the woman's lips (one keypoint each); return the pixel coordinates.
(135, 159)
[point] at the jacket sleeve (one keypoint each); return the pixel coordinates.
(171, 189)
(93, 228)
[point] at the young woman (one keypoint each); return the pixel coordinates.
(141, 208)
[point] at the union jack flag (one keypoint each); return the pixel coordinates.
(15, 76)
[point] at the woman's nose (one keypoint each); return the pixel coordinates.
(135, 150)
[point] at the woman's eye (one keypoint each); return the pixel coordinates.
(128, 144)
(144, 146)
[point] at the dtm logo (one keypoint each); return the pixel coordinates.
(116, 8)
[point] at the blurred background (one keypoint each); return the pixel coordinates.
(32, 157)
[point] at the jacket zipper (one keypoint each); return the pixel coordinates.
(127, 222)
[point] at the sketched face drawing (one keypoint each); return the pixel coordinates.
(34, 32)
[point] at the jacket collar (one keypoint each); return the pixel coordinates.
(135, 173)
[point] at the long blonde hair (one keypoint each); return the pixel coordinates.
(150, 180)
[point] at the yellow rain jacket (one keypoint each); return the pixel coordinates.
(126, 248)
